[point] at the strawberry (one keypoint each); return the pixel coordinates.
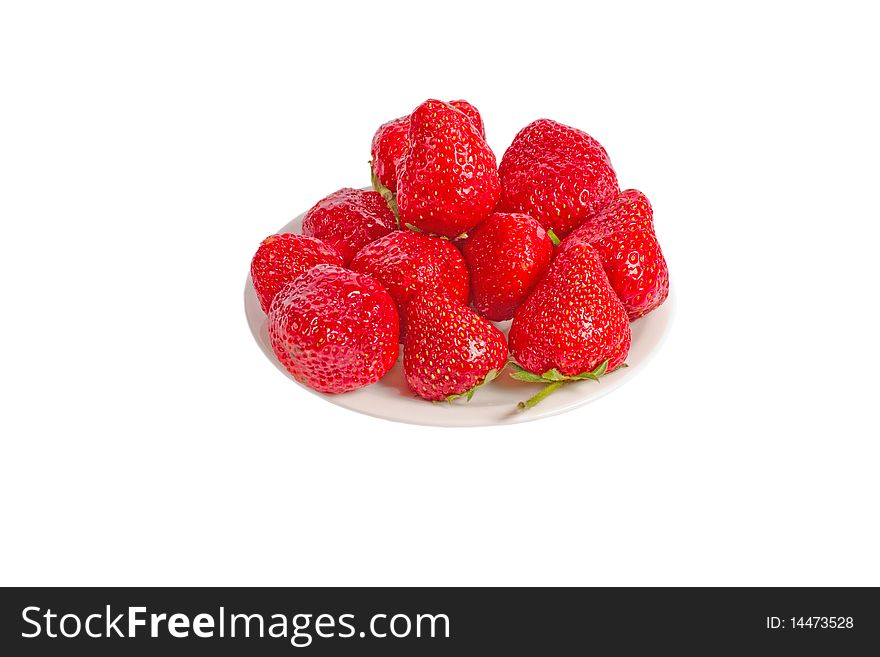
(391, 142)
(348, 220)
(407, 263)
(281, 258)
(623, 236)
(559, 175)
(448, 180)
(389, 146)
(449, 350)
(334, 330)
(572, 326)
(472, 113)
(507, 254)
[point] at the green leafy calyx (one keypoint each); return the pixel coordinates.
(491, 375)
(554, 379)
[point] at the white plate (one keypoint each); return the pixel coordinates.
(496, 403)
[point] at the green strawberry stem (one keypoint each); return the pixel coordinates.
(416, 229)
(554, 379)
(386, 193)
(547, 390)
(553, 237)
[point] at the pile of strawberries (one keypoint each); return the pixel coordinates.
(450, 242)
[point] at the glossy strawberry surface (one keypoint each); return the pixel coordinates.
(334, 330)
(559, 175)
(448, 180)
(349, 219)
(573, 320)
(472, 113)
(391, 141)
(507, 253)
(623, 236)
(281, 258)
(408, 263)
(449, 349)
(388, 148)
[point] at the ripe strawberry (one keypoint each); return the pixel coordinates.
(473, 114)
(507, 254)
(623, 235)
(349, 219)
(572, 326)
(557, 174)
(334, 330)
(388, 148)
(449, 350)
(391, 142)
(448, 180)
(281, 258)
(407, 263)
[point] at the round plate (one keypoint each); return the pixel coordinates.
(495, 403)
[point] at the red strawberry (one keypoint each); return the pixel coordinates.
(349, 219)
(407, 263)
(572, 326)
(559, 175)
(448, 181)
(449, 350)
(391, 142)
(334, 330)
(473, 114)
(389, 146)
(281, 258)
(623, 235)
(507, 254)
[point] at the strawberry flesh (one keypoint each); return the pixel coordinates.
(623, 236)
(449, 350)
(334, 330)
(391, 142)
(408, 263)
(348, 220)
(573, 320)
(559, 175)
(281, 258)
(507, 254)
(448, 180)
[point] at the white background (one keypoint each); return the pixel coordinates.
(146, 149)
